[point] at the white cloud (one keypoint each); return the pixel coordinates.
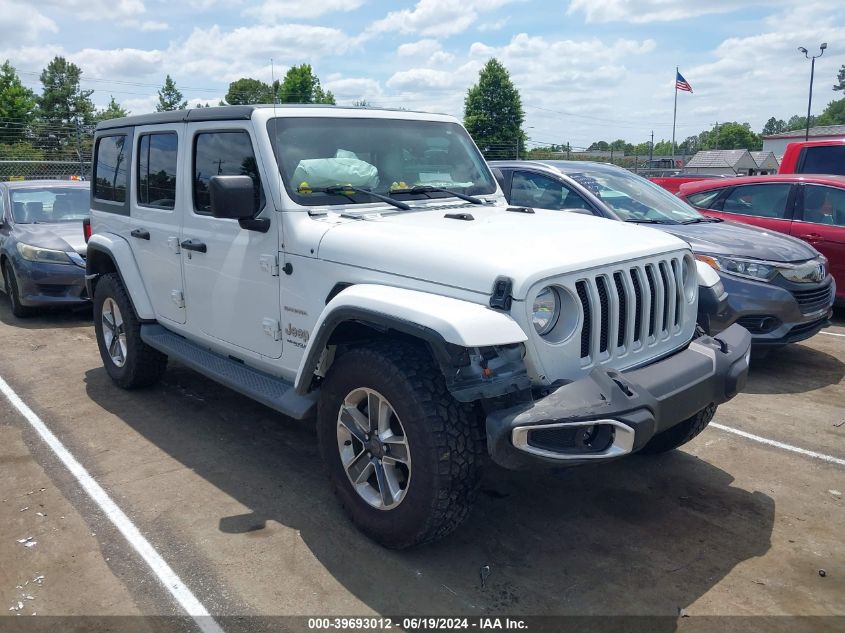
(439, 18)
(22, 24)
(284, 10)
(646, 11)
(153, 25)
(349, 89)
(498, 25)
(208, 53)
(96, 9)
(128, 63)
(421, 48)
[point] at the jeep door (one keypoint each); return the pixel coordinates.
(155, 215)
(231, 273)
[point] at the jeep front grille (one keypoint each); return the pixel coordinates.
(651, 292)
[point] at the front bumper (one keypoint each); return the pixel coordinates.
(772, 313)
(624, 410)
(42, 284)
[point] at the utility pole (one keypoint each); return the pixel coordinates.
(651, 148)
(79, 150)
(812, 59)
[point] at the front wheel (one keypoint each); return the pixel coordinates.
(129, 361)
(403, 456)
(680, 434)
(12, 289)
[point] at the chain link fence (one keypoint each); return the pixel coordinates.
(11, 170)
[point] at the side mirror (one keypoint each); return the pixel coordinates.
(232, 197)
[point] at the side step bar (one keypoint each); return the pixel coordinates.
(264, 388)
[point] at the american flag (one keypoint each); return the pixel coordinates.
(681, 83)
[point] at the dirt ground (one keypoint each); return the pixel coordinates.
(233, 497)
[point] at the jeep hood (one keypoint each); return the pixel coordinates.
(471, 254)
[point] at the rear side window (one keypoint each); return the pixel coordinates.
(223, 154)
(157, 170)
(762, 201)
(824, 205)
(111, 173)
(824, 159)
(704, 199)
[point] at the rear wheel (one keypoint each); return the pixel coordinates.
(129, 361)
(681, 433)
(11, 283)
(403, 456)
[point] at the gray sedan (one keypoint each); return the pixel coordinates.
(778, 287)
(42, 245)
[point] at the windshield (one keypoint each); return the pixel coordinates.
(634, 198)
(49, 204)
(381, 155)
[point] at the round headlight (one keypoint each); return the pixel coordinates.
(546, 310)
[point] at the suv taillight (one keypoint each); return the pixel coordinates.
(86, 229)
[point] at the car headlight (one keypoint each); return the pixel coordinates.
(43, 255)
(546, 310)
(749, 268)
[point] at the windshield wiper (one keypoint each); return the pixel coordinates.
(428, 188)
(701, 220)
(346, 190)
(646, 221)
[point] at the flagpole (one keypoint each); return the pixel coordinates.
(675, 113)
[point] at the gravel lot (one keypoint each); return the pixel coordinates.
(233, 498)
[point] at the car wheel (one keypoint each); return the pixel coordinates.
(129, 361)
(680, 434)
(403, 456)
(11, 282)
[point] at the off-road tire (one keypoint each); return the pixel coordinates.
(18, 309)
(445, 439)
(680, 434)
(144, 365)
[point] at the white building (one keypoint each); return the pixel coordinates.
(767, 163)
(722, 162)
(776, 143)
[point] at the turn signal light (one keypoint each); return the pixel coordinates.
(86, 229)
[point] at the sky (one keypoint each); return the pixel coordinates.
(587, 70)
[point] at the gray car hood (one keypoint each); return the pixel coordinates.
(742, 240)
(64, 236)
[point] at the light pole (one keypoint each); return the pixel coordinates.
(812, 59)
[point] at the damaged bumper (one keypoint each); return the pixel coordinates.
(608, 414)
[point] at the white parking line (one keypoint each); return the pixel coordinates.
(156, 563)
(832, 334)
(787, 447)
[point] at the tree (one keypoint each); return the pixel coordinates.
(62, 101)
(169, 97)
(246, 91)
(493, 112)
(840, 79)
(111, 111)
(796, 122)
(599, 146)
(301, 85)
(833, 114)
(17, 105)
(774, 126)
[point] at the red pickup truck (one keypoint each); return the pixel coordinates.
(814, 157)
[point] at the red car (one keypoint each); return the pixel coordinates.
(810, 207)
(814, 157)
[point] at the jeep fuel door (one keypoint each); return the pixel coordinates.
(231, 273)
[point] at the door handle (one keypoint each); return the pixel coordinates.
(191, 245)
(141, 234)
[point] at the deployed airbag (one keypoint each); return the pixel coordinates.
(344, 169)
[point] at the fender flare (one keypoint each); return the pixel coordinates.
(442, 322)
(119, 252)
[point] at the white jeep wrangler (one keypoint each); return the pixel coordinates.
(361, 267)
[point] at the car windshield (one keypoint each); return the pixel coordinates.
(40, 205)
(634, 198)
(405, 159)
